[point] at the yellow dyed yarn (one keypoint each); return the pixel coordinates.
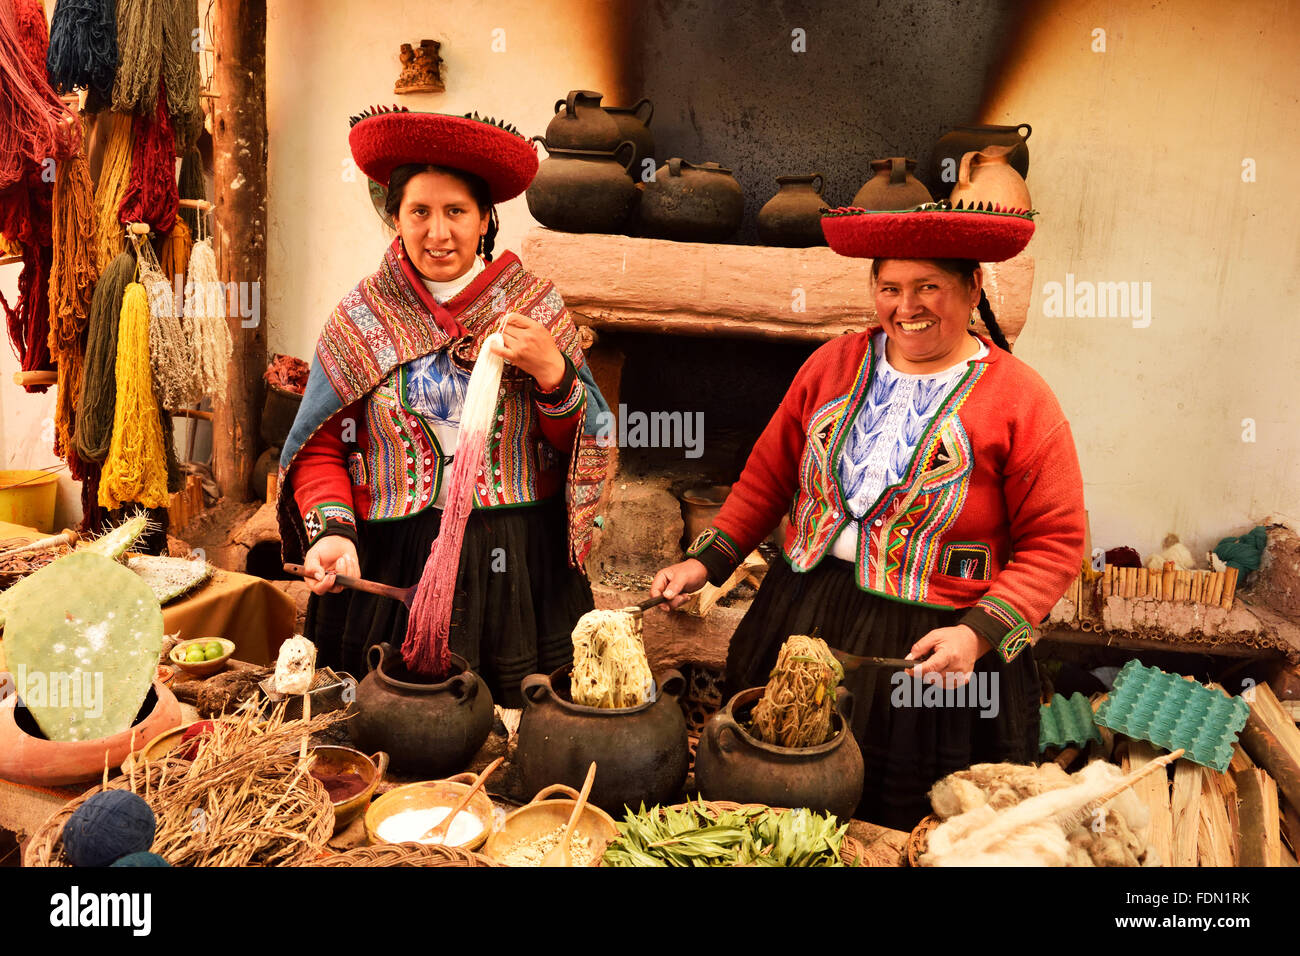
(114, 176)
(136, 467)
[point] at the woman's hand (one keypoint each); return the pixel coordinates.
(529, 346)
(679, 581)
(331, 555)
(953, 653)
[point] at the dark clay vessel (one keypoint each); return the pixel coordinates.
(793, 216)
(730, 764)
(641, 753)
(583, 190)
(952, 146)
(892, 186)
(432, 730)
(634, 125)
(580, 123)
(691, 203)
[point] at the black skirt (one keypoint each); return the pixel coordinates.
(516, 599)
(909, 738)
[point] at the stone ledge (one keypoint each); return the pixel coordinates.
(703, 289)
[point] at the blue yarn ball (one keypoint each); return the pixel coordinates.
(107, 827)
(142, 859)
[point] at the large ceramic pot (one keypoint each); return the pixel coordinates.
(426, 729)
(952, 146)
(27, 756)
(641, 753)
(793, 217)
(634, 126)
(583, 190)
(691, 203)
(278, 413)
(731, 764)
(892, 186)
(580, 123)
(987, 178)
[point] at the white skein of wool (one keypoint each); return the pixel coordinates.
(205, 320)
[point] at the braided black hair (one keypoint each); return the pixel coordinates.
(965, 269)
(477, 186)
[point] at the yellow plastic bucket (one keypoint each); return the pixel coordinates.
(27, 498)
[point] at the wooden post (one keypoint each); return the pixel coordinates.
(239, 166)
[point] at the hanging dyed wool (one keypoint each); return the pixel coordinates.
(83, 47)
(175, 255)
(174, 374)
(28, 319)
(136, 467)
(180, 70)
(98, 399)
(139, 56)
(192, 186)
(114, 174)
(72, 287)
(205, 321)
(33, 120)
(426, 649)
(151, 192)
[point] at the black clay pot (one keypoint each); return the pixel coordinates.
(634, 126)
(691, 203)
(641, 753)
(578, 190)
(730, 764)
(793, 217)
(432, 730)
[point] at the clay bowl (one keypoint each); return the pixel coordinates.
(542, 816)
(345, 761)
(161, 746)
(27, 756)
(431, 793)
(201, 668)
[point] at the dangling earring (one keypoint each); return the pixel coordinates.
(974, 315)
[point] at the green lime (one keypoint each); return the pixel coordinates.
(194, 655)
(212, 650)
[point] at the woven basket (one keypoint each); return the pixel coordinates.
(405, 854)
(46, 845)
(851, 851)
(919, 840)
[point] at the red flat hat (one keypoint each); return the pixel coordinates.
(933, 231)
(384, 138)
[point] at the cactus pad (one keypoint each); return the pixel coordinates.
(169, 578)
(82, 639)
(120, 540)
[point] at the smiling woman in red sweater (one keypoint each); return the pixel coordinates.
(935, 506)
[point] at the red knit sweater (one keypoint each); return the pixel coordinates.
(989, 515)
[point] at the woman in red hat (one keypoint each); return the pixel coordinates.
(365, 468)
(935, 511)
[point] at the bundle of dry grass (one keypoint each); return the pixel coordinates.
(245, 799)
(796, 707)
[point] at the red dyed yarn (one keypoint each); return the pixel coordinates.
(427, 648)
(151, 195)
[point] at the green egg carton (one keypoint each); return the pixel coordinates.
(1065, 723)
(1171, 712)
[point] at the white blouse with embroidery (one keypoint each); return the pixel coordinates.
(890, 422)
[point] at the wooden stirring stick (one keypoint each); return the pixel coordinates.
(440, 830)
(562, 853)
(405, 595)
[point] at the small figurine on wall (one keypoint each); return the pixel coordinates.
(421, 69)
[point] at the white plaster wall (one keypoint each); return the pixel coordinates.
(324, 234)
(1136, 168)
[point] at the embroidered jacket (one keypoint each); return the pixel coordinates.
(987, 516)
(363, 444)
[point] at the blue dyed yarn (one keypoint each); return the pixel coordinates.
(142, 859)
(83, 46)
(107, 827)
(1244, 553)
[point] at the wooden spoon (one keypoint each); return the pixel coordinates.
(440, 830)
(562, 853)
(405, 595)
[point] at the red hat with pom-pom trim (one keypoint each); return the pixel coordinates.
(930, 231)
(384, 138)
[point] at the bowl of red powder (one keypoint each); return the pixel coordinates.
(350, 778)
